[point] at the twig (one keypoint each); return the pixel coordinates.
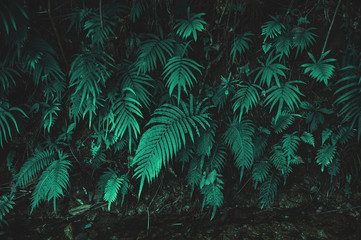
(329, 29)
(57, 34)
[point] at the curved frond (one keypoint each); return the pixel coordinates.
(190, 26)
(213, 195)
(52, 182)
(286, 94)
(178, 72)
(165, 137)
(272, 28)
(240, 45)
(308, 138)
(260, 171)
(320, 70)
(152, 50)
(268, 189)
(246, 98)
(279, 159)
(284, 120)
(6, 117)
(270, 71)
(238, 137)
(283, 44)
(325, 155)
(303, 38)
(7, 77)
(290, 144)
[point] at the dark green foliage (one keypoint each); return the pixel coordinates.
(269, 71)
(240, 45)
(6, 204)
(284, 120)
(272, 28)
(303, 38)
(260, 171)
(314, 114)
(246, 98)
(186, 27)
(320, 70)
(325, 155)
(165, 137)
(213, 195)
(268, 189)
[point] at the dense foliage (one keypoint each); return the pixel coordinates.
(124, 89)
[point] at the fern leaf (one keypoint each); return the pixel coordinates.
(166, 136)
(213, 195)
(308, 138)
(303, 38)
(287, 94)
(7, 77)
(137, 8)
(334, 168)
(52, 182)
(343, 135)
(246, 98)
(218, 158)
(6, 204)
(268, 190)
(260, 171)
(326, 134)
(238, 137)
(260, 144)
(279, 159)
(270, 71)
(240, 45)
(320, 70)
(283, 44)
(152, 50)
(272, 28)
(5, 118)
(178, 72)
(284, 120)
(32, 167)
(112, 184)
(204, 144)
(190, 26)
(325, 155)
(290, 144)
(194, 174)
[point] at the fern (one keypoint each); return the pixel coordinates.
(320, 70)
(50, 115)
(138, 82)
(204, 144)
(279, 159)
(223, 90)
(287, 94)
(349, 96)
(52, 182)
(152, 50)
(218, 158)
(213, 195)
(284, 120)
(194, 174)
(238, 137)
(178, 72)
(303, 38)
(112, 184)
(245, 98)
(283, 44)
(290, 144)
(88, 72)
(308, 138)
(325, 155)
(343, 135)
(137, 9)
(165, 137)
(260, 171)
(7, 77)
(272, 28)
(190, 26)
(5, 118)
(268, 189)
(260, 144)
(6, 204)
(270, 71)
(240, 45)
(326, 134)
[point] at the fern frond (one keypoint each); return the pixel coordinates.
(204, 143)
(260, 144)
(137, 9)
(246, 98)
(290, 144)
(320, 70)
(238, 137)
(287, 94)
(9, 13)
(152, 50)
(165, 137)
(279, 159)
(7, 77)
(325, 155)
(6, 204)
(326, 134)
(268, 190)
(217, 158)
(139, 82)
(284, 120)
(270, 71)
(190, 26)
(50, 115)
(303, 38)
(52, 182)
(260, 171)
(240, 45)
(283, 44)
(314, 115)
(178, 72)
(272, 28)
(88, 73)
(213, 195)
(334, 168)
(6, 117)
(343, 135)
(308, 138)
(112, 184)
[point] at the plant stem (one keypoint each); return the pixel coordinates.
(329, 29)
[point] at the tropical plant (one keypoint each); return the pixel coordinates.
(190, 25)
(270, 71)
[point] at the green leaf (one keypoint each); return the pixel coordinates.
(268, 190)
(272, 28)
(190, 25)
(270, 71)
(178, 72)
(246, 98)
(284, 120)
(320, 70)
(308, 138)
(213, 195)
(325, 155)
(240, 45)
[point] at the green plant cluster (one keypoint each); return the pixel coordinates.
(126, 99)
